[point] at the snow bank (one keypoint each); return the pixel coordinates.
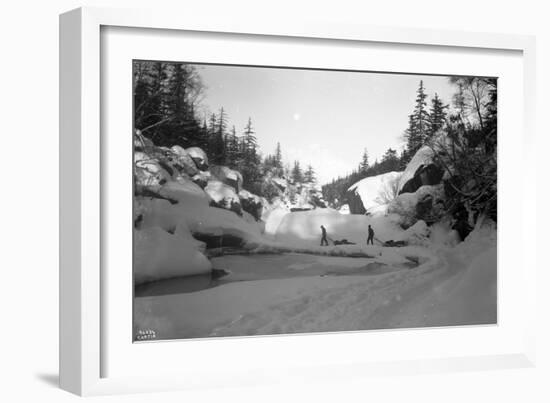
(376, 191)
(164, 244)
(303, 228)
(185, 192)
(160, 255)
(473, 297)
(273, 218)
(199, 218)
(442, 234)
(416, 235)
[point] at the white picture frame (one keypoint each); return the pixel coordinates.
(85, 344)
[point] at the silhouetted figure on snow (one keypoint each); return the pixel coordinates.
(371, 236)
(324, 236)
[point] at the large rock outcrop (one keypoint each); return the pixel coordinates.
(252, 204)
(228, 176)
(199, 157)
(149, 170)
(183, 161)
(421, 171)
(425, 204)
(354, 202)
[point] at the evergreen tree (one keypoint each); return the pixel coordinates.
(437, 116)
(403, 160)
(421, 116)
(232, 148)
(216, 141)
(364, 165)
(165, 96)
(414, 138)
(250, 159)
(297, 175)
(250, 143)
(221, 138)
(309, 175)
(419, 123)
(278, 160)
(390, 161)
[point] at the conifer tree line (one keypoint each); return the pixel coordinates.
(470, 128)
(167, 99)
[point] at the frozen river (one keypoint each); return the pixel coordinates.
(235, 268)
(254, 289)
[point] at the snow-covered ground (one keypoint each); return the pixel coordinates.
(190, 227)
(303, 228)
(288, 293)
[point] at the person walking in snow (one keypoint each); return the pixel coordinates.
(371, 236)
(324, 236)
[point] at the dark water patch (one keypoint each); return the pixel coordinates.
(181, 285)
(214, 241)
(264, 267)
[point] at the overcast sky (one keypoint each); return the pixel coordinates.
(322, 118)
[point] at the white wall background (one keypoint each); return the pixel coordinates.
(29, 201)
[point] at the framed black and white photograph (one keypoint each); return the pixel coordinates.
(285, 200)
(248, 202)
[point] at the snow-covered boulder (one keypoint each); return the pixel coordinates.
(415, 235)
(223, 196)
(281, 183)
(370, 193)
(160, 255)
(420, 171)
(199, 157)
(201, 179)
(183, 161)
(252, 204)
(228, 176)
(148, 171)
(184, 191)
(344, 209)
(425, 204)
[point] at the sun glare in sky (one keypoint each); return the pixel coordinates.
(322, 118)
